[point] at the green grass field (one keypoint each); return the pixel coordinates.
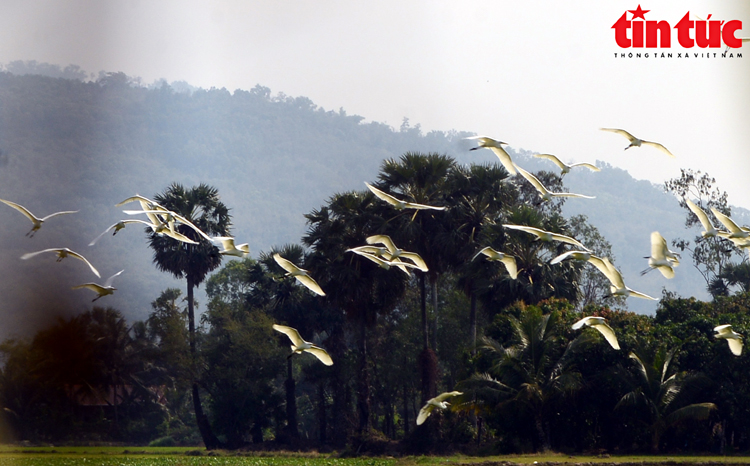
(180, 456)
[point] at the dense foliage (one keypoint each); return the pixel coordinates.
(529, 381)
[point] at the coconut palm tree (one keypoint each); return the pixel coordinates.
(661, 392)
(528, 376)
(202, 207)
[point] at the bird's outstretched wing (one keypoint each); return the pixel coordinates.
(98, 289)
(286, 264)
(111, 279)
(590, 166)
(621, 132)
(21, 209)
(609, 334)
(497, 148)
(78, 256)
(735, 346)
(321, 354)
(658, 146)
(290, 332)
(385, 240)
(424, 413)
(311, 284)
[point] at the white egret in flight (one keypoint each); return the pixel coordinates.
(546, 235)
(618, 287)
(708, 229)
(101, 290)
(34, 219)
(62, 253)
(496, 147)
(438, 402)
(600, 324)
(397, 253)
(229, 248)
(635, 142)
(300, 274)
(661, 257)
(565, 167)
(733, 338)
(544, 192)
(398, 204)
(508, 260)
(299, 345)
(734, 230)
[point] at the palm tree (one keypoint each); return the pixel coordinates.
(661, 391)
(476, 196)
(528, 376)
(202, 207)
(358, 287)
(421, 178)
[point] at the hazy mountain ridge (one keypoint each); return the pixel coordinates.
(74, 144)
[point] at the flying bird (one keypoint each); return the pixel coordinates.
(565, 167)
(733, 338)
(575, 255)
(397, 253)
(614, 276)
(600, 324)
(398, 204)
(547, 235)
(496, 147)
(62, 253)
(661, 257)
(121, 224)
(708, 229)
(634, 141)
(37, 222)
(229, 248)
(299, 345)
(733, 230)
(508, 260)
(300, 274)
(169, 218)
(101, 290)
(438, 402)
(147, 205)
(544, 192)
(382, 257)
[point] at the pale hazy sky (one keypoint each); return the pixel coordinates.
(540, 75)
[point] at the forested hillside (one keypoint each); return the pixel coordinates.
(382, 329)
(69, 144)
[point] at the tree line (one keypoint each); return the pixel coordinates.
(528, 381)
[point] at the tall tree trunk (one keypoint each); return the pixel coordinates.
(363, 382)
(423, 308)
(322, 420)
(434, 289)
(541, 433)
(406, 411)
(209, 439)
(291, 403)
(340, 406)
(427, 361)
(473, 322)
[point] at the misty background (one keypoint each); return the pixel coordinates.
(73, 140)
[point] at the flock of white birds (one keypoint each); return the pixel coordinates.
(381, 250)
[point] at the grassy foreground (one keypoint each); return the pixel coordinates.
(180, 456)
